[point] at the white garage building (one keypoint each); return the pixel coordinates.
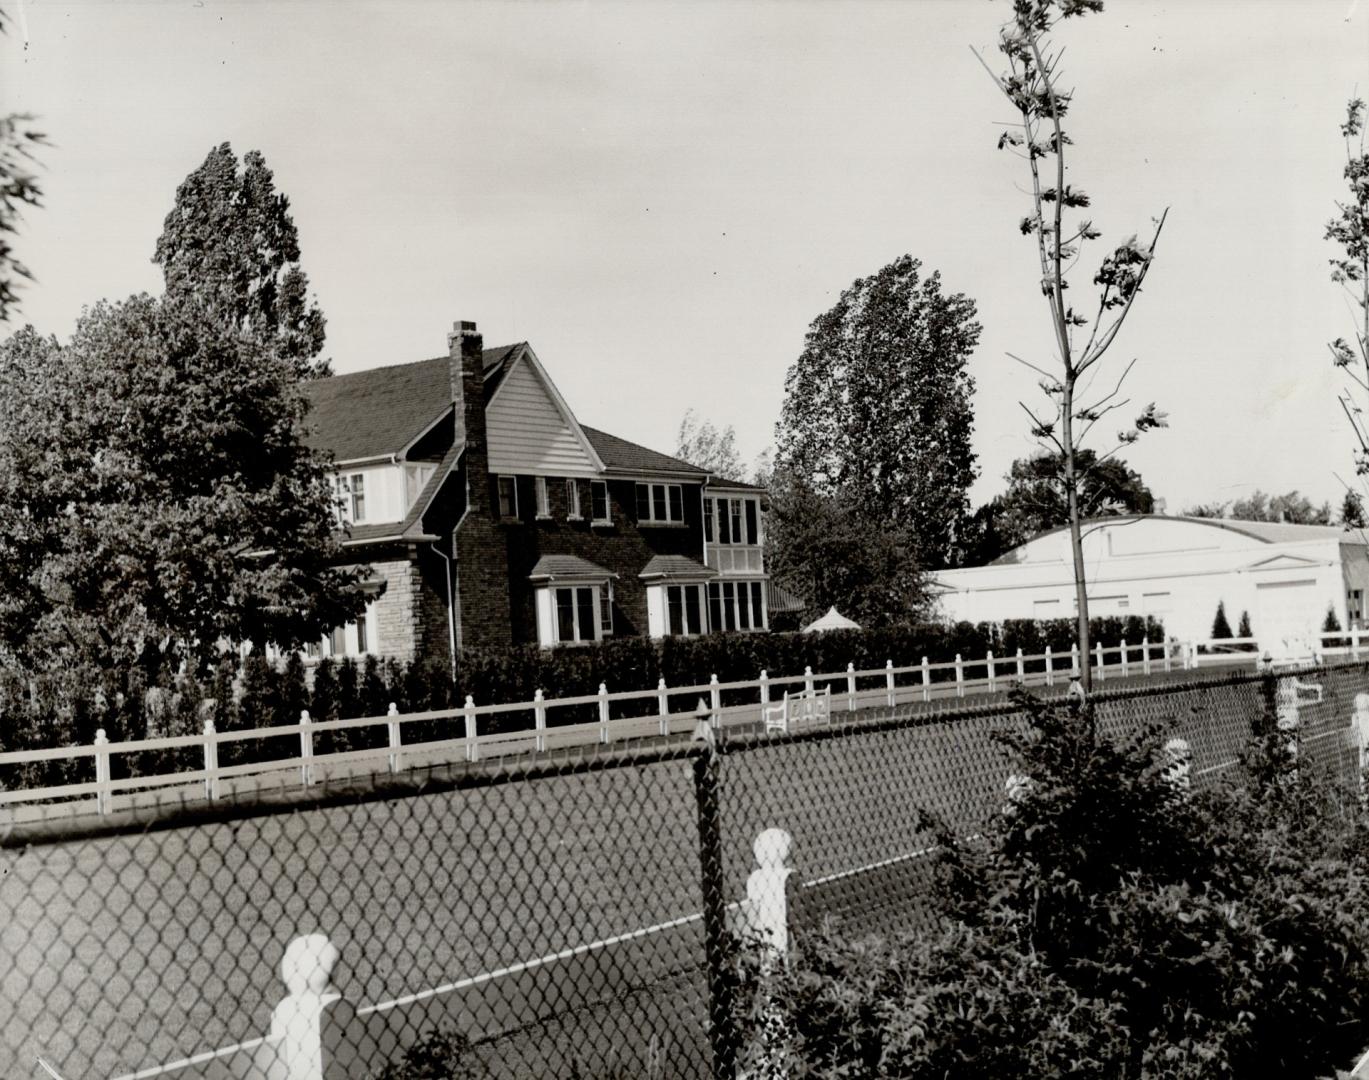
(1176, 569)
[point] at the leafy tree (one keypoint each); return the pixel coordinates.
(1352, 514)
(877, 407)
(157, 496)
(1349, 230)
(702, 444)
(1207, 510)
(1031, 85)
(820, 547)
(19, 186)
(1036, 499)
(1330, 624)
(1244, 629)
(230, 245)
(1293, 507)
(1220, 627)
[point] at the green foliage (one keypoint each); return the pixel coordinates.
(442, 1054)
(1036, 501)
(823, 549)
(230, 248)
(1168, 936)
(1220, 627)
(157, 496)
(877, 409)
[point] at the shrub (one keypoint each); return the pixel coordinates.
(1220, 627)
(1221, 934)
(439, 1055)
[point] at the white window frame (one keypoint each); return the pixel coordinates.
(596, 619)
(543, 498)
(499, 495)
(572, 500)
(651, 487)
(358, 639)
(717, 506)
(607, 519)
(756, 621)
(606, 610)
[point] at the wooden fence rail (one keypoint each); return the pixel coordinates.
(660, 712)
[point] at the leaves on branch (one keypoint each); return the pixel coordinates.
(1341, 353)
(1009, 138)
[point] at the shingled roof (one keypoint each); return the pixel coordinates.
(378, 412)
(618, 453)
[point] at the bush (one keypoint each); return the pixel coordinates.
(439, 1055)
(1222, 934)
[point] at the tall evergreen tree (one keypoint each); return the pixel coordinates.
(1221, 628)
(230, 245)
(877, 407)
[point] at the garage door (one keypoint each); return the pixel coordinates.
(1287, 611)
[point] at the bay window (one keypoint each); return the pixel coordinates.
(736, 605)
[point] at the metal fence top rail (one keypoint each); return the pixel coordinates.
(273, 800)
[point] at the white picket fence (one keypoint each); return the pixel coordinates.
(642, 714)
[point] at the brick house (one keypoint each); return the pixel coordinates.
(490, 516)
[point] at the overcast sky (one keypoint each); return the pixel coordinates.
(661, 197)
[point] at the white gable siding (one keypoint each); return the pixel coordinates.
(526, 432)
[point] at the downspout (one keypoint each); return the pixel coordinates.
(451, 608)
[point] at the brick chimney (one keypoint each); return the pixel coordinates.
(464, 349)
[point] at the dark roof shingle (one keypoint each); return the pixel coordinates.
(568, 568)
(675, 568)
(618, 453)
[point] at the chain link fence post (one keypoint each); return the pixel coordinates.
(717, 947)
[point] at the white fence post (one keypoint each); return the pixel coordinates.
(1359, 724)
(396, 738)
(1021, 667)
(1074, 660)
(959, 676)
(1168, 660)
(1126, 667)
(1354, 643)
(603, 713)
(472, 734)
(297, 1023)
(1050, 667)
(764, 683)
(211, 760)
(663, 704)
(1098, 652)
(103, 793)
(889, 681)
(850, 686)
(539, 720)
(808, 681)
(306, 749)
(1178, 766)
(1145, 655)
(993, 672)
(715, 702)
(767, 894)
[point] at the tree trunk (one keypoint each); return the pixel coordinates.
(1076, 538)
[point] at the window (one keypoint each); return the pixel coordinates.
(572, 500)
(684, 609)
(543, 498)
(361, 634)
(737, 521)
(660, 503)
(508, 497)
(351, 493)
(598, 500)
(606, 609)
(1354, 608)
(337, 641)
(575, 614)
(736, 605)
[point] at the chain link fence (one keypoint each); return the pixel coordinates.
(558, 915)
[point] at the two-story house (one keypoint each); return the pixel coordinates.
(490, 516)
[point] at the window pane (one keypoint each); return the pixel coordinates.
(738, 537)
(338, 641)
(565, 615)
(543, 503)
(675, 602)
(676, 503)
(572, 499)
(751, 522)
(715, 610)
(599, 496)
(708, 520)
(358, 497)
(724, 523)
(658, 510)
(729, 607)
(643, 502)
(692, 612)
(743, 607)
(361, 633)
(584, 602)
(508, 497)
(606, 607)
(757, 606)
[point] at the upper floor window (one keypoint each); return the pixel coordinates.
(416, 476)
(660, 503)
(572, 500)
(351, 493)
(731, 521)
(598, 501)
(543, 498)
(508, 497)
